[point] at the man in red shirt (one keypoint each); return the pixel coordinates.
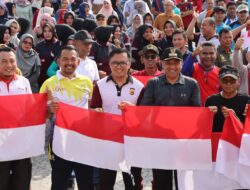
(205, 71)
(186, 9)
(150, 58)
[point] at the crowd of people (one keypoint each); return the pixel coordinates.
(88, 54)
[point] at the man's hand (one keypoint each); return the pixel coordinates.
(213, 109)
(239, 43)
(226, 111)
(123, 104)
(197, 51)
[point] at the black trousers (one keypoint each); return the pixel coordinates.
(61, 172)
(108, 177)
(163, 179)
(15, 175)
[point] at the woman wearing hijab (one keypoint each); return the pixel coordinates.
(143, 37)
(84, 11)
(14, 29)
(28, 61)
(5, 36)
(167, 40)
(107, 9)
(46, 8)
(59, 15)
(3, 13)
(136, 23)
(11, 7)
(69, 18)
(101, 49)
(48, 49)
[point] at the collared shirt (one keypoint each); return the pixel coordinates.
(17, 85)
(88, 68)
(159, 92)
(108, 94)
(223, 57)
(228, 20)
(76, 91)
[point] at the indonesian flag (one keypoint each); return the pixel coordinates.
(22, 126)
(229, 145)
(244, 157)
(89, 137)
(168, 137)
(206, 179)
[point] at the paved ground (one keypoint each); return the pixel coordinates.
(41, 176)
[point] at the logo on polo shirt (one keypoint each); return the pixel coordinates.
(131, 91)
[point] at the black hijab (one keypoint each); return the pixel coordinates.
(102, 34)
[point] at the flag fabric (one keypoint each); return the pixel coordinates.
(229, 146)
(206, 179)
(244, 157)
(22, 126)
(168, 137)
(89, 137)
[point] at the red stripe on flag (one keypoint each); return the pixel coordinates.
(168, 122)
(215, 141)
(90, 123)
(247, 121)
(22, 110)
(232, 130)
(143, 79)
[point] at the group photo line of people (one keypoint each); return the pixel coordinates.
(93, 54)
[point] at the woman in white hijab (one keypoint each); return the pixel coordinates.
(14, 29)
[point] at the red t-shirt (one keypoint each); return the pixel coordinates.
(187, 6)
(208, 81)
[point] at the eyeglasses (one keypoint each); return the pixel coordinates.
(230, 81)
(27, 43)
(150, 56)
(117, 63)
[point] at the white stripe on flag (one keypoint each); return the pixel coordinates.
(205, 180)
(227, 159)
(22, 142)
(168, 153)
(244, 157)
(76, 147)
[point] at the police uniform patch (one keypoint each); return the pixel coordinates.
(131, 91)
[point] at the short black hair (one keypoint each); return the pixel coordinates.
(119, 51)
(180, 31)
(4, 48)
(208, 44)
(69, 48)
(231, 3)
(224, 30)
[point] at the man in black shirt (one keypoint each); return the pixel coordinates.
(228, 99)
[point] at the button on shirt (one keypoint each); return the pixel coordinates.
(159, 92)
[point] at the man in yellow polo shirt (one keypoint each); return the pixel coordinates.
(168, 15)
(71, 88)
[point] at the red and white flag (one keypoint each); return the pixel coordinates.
(22, 126)
(89, 137)
(244, 157)
(206, 179)
(229, 146)
(168, 137)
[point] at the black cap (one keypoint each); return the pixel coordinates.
(219, 8)
(84, 36)
(150, 47)
(171, 53)
(229, 71)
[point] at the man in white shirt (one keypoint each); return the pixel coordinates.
(87, 67)
(14, 174)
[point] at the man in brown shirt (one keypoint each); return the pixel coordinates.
(168, 15)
